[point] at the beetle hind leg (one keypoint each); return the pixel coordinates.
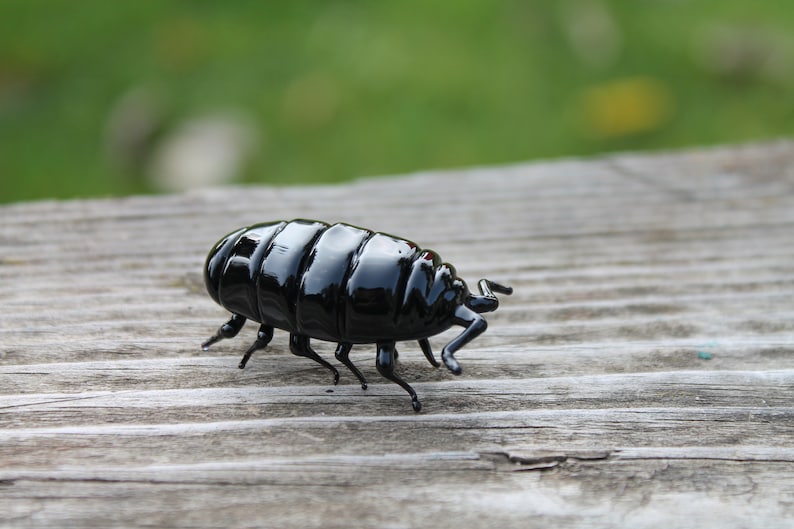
(342, 354)
(385, 364)
(263, 337)
(227, 330)
(299, 345)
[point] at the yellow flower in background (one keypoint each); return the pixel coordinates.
(625, 107)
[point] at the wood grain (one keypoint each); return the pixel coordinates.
(642, 375)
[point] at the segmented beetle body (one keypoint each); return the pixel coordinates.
(343, 284)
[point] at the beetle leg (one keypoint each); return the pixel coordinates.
(385, 364)
(342, 352)
(425, 345)
(227, 330)
(299, 345)
(475, 325)
(263, 338)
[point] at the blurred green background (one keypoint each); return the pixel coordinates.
(108, 98)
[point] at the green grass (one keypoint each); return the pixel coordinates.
(339, 89)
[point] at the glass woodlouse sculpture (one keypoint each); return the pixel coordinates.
(342, 284)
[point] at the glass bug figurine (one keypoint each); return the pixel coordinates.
(342, 284)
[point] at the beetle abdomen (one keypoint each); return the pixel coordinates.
(335, 283)
(321, 303)
(237, 285)
(280, 272)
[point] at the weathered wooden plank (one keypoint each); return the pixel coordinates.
(444, 489)
(641, 375)
(683, 389)
(599, 429)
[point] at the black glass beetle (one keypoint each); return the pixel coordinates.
(346, 285)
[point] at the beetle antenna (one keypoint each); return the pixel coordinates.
(487, 301)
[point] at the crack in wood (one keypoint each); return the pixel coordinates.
(541, 461)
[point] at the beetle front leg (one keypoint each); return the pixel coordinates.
(227, 330)
(342, 354)
(475, 325)
(263, 337)
(385, 364)
(299, 346)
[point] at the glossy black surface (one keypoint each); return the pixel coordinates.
(342, 284)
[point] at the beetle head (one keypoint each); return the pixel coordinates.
(481, 304)
(487, 301)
